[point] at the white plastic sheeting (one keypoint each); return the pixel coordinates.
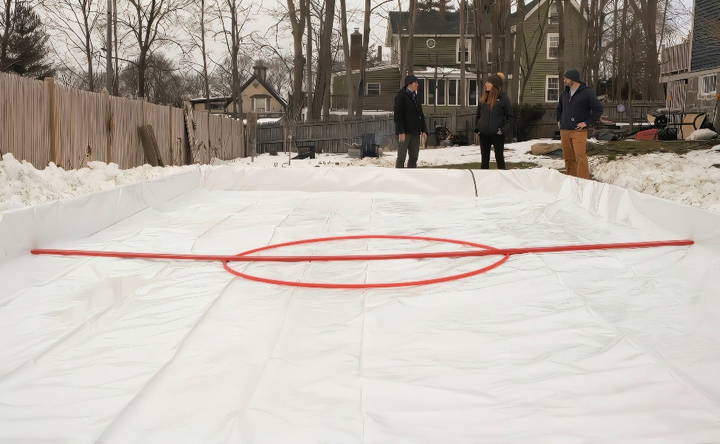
(598, 346)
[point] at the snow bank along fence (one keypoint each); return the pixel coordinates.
(42, 121)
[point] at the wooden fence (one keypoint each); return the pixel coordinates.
(329, 137)
(42, 122)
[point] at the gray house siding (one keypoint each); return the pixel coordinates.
(706, 36)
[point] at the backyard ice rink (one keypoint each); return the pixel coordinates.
(613, 346)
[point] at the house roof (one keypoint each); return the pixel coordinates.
(265, 85)
(428, 23)
(212, 100)
(228, 99)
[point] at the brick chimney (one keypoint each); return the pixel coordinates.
(355, 49)
(260, 71)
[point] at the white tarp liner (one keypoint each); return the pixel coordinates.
(601, 346)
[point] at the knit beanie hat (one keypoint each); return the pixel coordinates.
(573, 74)
(410, 79)
(496, 80)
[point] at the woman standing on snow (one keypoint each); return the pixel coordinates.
(493, 112)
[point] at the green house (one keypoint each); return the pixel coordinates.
(437, 58)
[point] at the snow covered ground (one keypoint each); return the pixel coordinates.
(692, 179)
(21, 184)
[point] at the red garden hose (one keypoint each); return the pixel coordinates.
(481, 250)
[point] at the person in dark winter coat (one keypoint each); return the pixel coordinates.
(578, 108)
(409, 123)
(493, 112)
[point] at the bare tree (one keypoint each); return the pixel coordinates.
(309, 52)
(529, 46)
(322, 79)
(346, 54)
(647, 11)
(407, 56)
(480, 49)
(297, 14)
(78, 22)
(562, 6)
(197, 30)
(500, 15)
(463, 61)
(233, 17)
(116, 54)
(109, 72)
(150, 22)
(367, 15)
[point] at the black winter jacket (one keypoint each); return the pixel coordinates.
(489, 121)
(583, 106)
(408, 113)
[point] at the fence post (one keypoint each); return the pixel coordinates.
(108, 127)
(190, 131)
(52, 120)
(171, 160)
(251, 134)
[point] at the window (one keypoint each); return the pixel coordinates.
(431, 92)
(488, 49)
(708, 85)
(552, 88)
(553, 14)
(372, 90)
(441, 92)
(472, 92)
(468, 51)
(553, 45)
(452, 92)
(260, 104)
(421, 91)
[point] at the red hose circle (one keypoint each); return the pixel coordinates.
(495, 264)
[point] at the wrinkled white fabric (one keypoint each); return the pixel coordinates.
(602, 346)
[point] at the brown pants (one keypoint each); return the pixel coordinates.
(574, 145)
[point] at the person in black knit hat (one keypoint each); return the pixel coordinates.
(409, 123)
(494, 111)
(578, 108)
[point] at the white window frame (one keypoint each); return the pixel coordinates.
(547, 41)
(553, 3)
(547, 89)
(444, 91)
(477, 91)
(457, 90)
(488, 47)
(256, 101)
(468, 48)
(434, 90)
(702, 85)
(367, 89)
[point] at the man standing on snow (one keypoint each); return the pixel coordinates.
(409, 123)
(578, 108)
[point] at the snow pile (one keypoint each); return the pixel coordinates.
(514, 152)
(21, 184)
(691, 178)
